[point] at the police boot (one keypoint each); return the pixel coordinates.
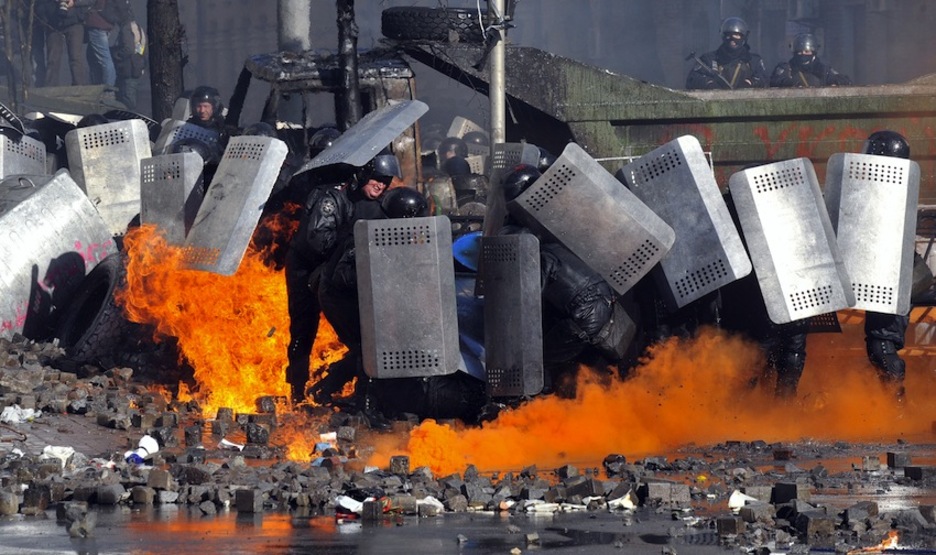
(883, 355)
(789, 367)
(322, 391)
(371, 413)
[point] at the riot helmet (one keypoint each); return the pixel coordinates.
(260, 129)
(546, 159)
(383, 167)
(519, 180)
(479, 138)
(456, 165)
(91, 120)
(805, 48)
(734, 33)
(206, 94)
(404, 202)
(451, 146)
(322, 139)
(887, 143)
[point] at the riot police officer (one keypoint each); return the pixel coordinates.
(732, 65)
(804, 69)
(327, 223)
(207, 109)
(884, 333)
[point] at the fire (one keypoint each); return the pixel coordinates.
(890, 542)
(232, 330)
(703, 390)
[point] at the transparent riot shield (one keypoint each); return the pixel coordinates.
(174, 130)
(677, 183)
(872, 202)
(789, 236)
(366, 138)
(406, 290)
(105, 162)
(52, 236)
(171, 190)
(585, 208)
(513, 315)
(233, 203)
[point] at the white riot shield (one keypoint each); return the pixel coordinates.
(513, 315)
(233, 203)
(105, 162)
(790, 239)
(23, 156)
(406, 289)
(174, 130)
(872, 202)
(171, 190)
(366, 138)
(677, 183)
(586, 209)
(51, 238)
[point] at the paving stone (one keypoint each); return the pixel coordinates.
(110, 494)
(143, 495)
(898, 460)
(248, 501)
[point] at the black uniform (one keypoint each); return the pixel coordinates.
(728, 69)
(814, 74)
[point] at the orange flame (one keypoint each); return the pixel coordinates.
(700, 390)
(890, 542)
(232, 330)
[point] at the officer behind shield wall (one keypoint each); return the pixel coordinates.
(804, 69)
(338, 294)
(207, 109)
(578, 304)
(732, 65)
(326, 228)
(884, 333)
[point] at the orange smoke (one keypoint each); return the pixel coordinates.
(232, 330)
(704, 390)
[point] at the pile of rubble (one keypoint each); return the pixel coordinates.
(720, 493)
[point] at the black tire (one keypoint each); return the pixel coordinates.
(92, 324)
(432, 24)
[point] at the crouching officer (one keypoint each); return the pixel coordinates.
(327, 222)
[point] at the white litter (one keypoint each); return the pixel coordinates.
(16, 415)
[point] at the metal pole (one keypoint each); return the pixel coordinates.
(498, 81)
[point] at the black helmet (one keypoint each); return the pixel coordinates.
(456, 165)
(451, 146)
(206, 94)
(260, 129)
(208, 153)
(383, 167)
(479, 138)
(546, 159)
(91, 120)
(805, 42)
(734, 26)
(322, 139)
(887, 143)
(404, 202)
(519, 180)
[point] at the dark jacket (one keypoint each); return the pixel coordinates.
(724, 69)
(815, 74)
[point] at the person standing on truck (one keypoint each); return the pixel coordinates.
(804, 70)
(732, 65)
(327, 222)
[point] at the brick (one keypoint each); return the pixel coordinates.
(919, 472)
(257, 434)
(143, 495)
(37, 496)
(898, 460)
(160, 479)
(757, 512)
(784, 492)
(9, 503)
(761, 493)
(405, 504)
(248, 501)
(399, 465)
(110, 494)
(729, 525)
(814, 524)
(372, 510)
(871, 463)
(193, 436)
